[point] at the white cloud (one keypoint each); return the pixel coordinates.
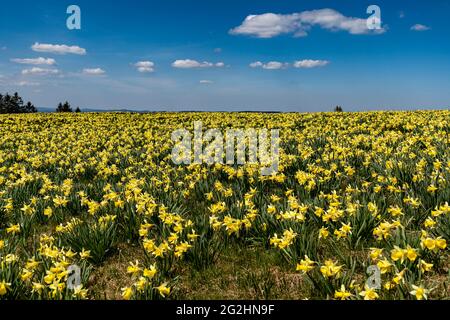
(420, 27)
(145, 66)
(272, 65)
(330, 19)
(276, 65)
(58, 48)
(270, 25)
(35, 61)
(39, 71)
(188, 64)
(308, 63)
(94, 71)
(256, 64)
(218, 50)
(205, 81)
(401, 14)
(266, 25)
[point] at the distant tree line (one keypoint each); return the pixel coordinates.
(65, 107)
(14, 104)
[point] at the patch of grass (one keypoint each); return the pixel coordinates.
(243, 273)
(107, 279)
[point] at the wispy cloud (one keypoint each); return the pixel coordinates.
(40, 71)
(189, 64)
(58, 48)
(308, 63)
(145, 66)
(269, 25)
(420, 27)
(206, 82)
(276, 65)
(27, 84)
(94, 71)
(272, 65)
(36, 61)
(256, 64)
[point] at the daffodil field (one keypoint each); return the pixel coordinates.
(359, 207)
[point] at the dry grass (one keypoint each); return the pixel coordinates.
(107, 279)
(243, 273)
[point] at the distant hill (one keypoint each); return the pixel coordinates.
(49, 110)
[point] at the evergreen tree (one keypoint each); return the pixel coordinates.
(14, 104)
(30, 107)
(64, 107)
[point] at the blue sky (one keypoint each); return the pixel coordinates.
(198, 55)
